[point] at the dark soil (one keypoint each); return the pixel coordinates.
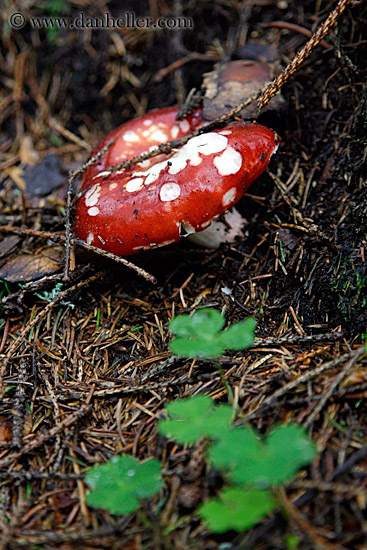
(85, 382)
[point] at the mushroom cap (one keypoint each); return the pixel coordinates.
(160, 201)
(139, 134)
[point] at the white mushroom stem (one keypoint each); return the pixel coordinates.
(219, 232)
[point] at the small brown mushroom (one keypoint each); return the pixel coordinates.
(234, 83)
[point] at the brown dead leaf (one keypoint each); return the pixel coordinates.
(5, 429)
(29, 267)
(7, 244)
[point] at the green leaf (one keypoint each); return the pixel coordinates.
(234, 447)
(185, 347)
(284, 451)
(218, 422)
(191, 407)
(199, 335)
(239, 336)
(236, 508)
(204, 322)
(194, 418)
(118, 484)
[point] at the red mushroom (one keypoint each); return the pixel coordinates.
(166, 198)
(139, 135)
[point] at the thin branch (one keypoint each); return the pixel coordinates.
(139, 270)
(273, 88)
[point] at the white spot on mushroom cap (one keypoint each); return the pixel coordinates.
(92, 195)
(90, 238)
(195, 161)
(123, 156)
(130, 135)
(134, 185)
(113, 185)
(153, 174)
(100, 174)
(159, 135)
(147, 122)
(229, 197)
(174, 131)
(169, 192)
(229, 162)
(155, 132)
(206, 144)
(185, 126)
(145, 163)
(94, 211)
(225, 132)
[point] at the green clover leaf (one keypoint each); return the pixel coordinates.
(194, 418)
(234, 447)
(236, 508)
(240, 335)
(266, 463)
(285, 451)
(201, 335)
(185, 347)
(207, 322)
(118, 484)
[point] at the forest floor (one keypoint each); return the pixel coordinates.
(86, 377)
